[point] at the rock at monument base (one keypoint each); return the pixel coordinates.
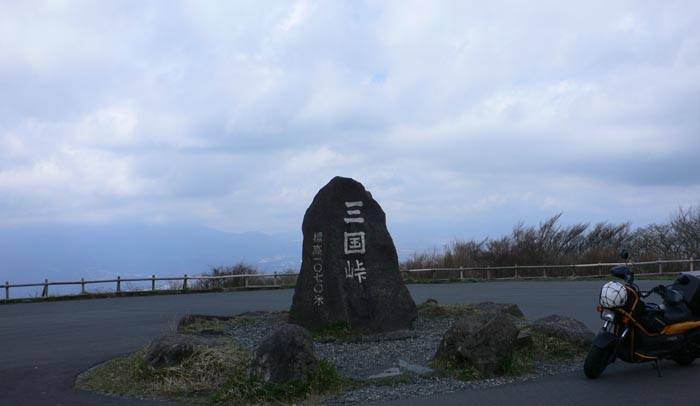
(523, 341)
(350, 270)
(565, 328)
(507, 308)
(285, 356)
(171, 350)
(481, 341)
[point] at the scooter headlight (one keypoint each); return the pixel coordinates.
(608, 315)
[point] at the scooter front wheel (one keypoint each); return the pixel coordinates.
(596, 361)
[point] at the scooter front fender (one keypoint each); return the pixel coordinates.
(605, 340)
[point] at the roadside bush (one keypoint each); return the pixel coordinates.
(686, 227)
(551, 243)
(240, 268)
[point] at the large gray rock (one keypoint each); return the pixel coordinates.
(350, 270)
(285, 356)
(565, 328)
(484, 341)
(493, 308)
(171, 350)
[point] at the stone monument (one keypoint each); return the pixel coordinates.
(350, 270)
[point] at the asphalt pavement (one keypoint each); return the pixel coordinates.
(44, 346)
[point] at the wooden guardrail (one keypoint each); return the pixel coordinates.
(486, 273)
(153, 279)
(551, 271)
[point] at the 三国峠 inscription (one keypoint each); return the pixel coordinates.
(353, 213)
(354, 243)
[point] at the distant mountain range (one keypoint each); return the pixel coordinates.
(62, 253)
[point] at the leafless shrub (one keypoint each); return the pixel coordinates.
(220, 272)
(432, 259)
(551, 243)
(686, 227)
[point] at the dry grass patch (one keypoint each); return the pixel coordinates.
(212, 375)
(205, 371)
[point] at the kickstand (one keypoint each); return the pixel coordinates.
(657, 367)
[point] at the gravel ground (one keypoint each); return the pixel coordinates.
(400, 359)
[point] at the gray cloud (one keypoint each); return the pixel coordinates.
(233, 115)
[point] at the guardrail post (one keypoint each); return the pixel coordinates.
(153, 282)
(245, 280)
(661, 269)
(184, 283)
(516, 271)
(573, 271)
(691, 264)
(488, 272)
(45, 293)
(461, 273)
(119, 284)
(544, 271)
(82, 286)
(7, 290)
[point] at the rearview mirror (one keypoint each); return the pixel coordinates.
(622, 272)
(624, 254)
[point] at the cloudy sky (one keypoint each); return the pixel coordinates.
(461, 117)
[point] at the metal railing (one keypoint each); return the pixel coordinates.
(514, 272)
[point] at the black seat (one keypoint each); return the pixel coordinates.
(672, 296)
(676, 313)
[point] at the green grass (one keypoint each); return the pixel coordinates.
(206, 370)
(522, 362)
(548, 348)
(433, 310)
(240, 389)
(446, 368)
(339, 330)
(211, 376)
(211, 326)
(542, 348)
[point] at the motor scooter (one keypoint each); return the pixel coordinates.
(636, 331)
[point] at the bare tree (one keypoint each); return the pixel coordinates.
(656, 241)
(240, 268)
(686, 225)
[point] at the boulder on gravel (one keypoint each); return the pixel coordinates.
(171, 350)
(565, 328)
(287, 355)
(507, 308)
(350, 269)
(484, 341)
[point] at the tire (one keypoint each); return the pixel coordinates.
(596, 362)
(684, 360)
